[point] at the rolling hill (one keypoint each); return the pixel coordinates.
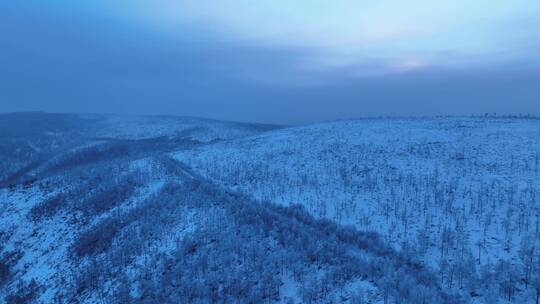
(127, 209)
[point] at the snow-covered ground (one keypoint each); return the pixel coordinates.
(107, 213)
(446, 188)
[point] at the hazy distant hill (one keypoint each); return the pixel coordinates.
(29, 140)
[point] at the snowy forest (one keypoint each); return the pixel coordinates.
(159, 209)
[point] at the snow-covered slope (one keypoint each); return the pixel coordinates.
(461, 194)
(100, 213)
(151, 230)
(118, 209)
(30, 140)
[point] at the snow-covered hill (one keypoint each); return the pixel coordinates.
(119, 209)
(462, 195)
(29, 140)
(99, 212)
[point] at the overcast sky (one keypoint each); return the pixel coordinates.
(280, 61)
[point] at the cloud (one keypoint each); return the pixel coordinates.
(346, 32)
(390, 36)
(272, 61)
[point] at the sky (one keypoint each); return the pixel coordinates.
(273, 61)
